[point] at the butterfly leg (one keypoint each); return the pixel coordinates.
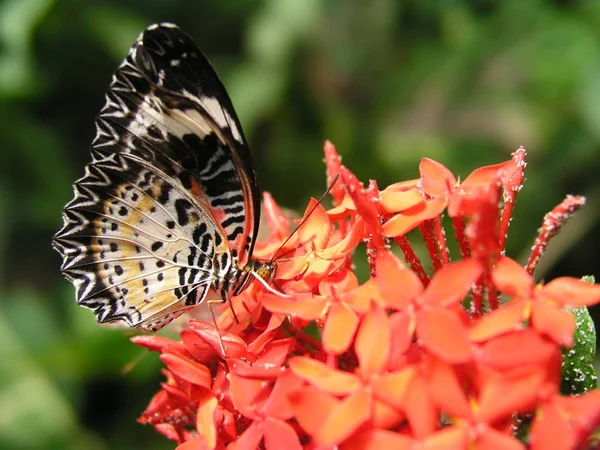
(214, 319)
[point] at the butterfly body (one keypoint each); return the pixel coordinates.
(168, 208)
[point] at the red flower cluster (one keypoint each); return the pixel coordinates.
(404, 360)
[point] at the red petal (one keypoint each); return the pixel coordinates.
(307, 307)
(194, 444)
(278, 404)
(197, 347)
(550, 429)
(393, 387)
(451, 283)
(188, 370)
(395, 201)
(373, 342)
(411, 218)
(317, 227)
(324, 377)
(159, 344)
(510, 278)
(334, 165)
(312, 407)
(583, 413)
(247, 394)
(254, 371)
(339, 329)
(422, 414)
(176, 395)
(366, 205)
(386, 417)
(391, 274)
(449, 438)
(443, 333)
(275, 353)
(287, 270)
(502, 397)
(278, 224)
(436, 179)
(403, 185)
(257, 346)
(205, 419)
(280, 435)
(298, 287)
(491, 439)
(338, 284)
(342, 210)
(346, 245)
(345, 419)
(402, 326)
(509, 317)
(556, 323)
(375, 439)
(517, 349)
(159, 405)
(484, 176)
(249, 440)
(221, 383)
(318, 269)
(572, 292)
(446, 390)
(234, 345)
(361, 298)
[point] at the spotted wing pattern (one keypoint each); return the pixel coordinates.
(168, 207)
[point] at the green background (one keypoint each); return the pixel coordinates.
(388, 81)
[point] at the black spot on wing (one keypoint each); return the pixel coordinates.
(218, 239)
(234, 210)
(231, 220)
(199, 232)
(227, 201)
(165, 192)
(211, 154)
(235, 233)
(182, 206)
(219, 185)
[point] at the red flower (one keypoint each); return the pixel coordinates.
(542, 305)
(431, 312)
(403, 360)
(359, 402)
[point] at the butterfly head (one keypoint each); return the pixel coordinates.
(262, 271)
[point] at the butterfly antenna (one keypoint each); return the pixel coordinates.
(319, 202)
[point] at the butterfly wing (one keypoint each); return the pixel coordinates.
(174, 64)
(170, 199)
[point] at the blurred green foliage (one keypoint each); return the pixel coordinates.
(388, 81)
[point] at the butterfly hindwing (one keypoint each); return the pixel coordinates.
(169, 203)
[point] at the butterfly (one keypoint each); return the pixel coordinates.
(168, 208)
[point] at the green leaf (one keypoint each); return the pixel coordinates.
(578, 374)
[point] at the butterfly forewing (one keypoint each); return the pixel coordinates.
(168, 208)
